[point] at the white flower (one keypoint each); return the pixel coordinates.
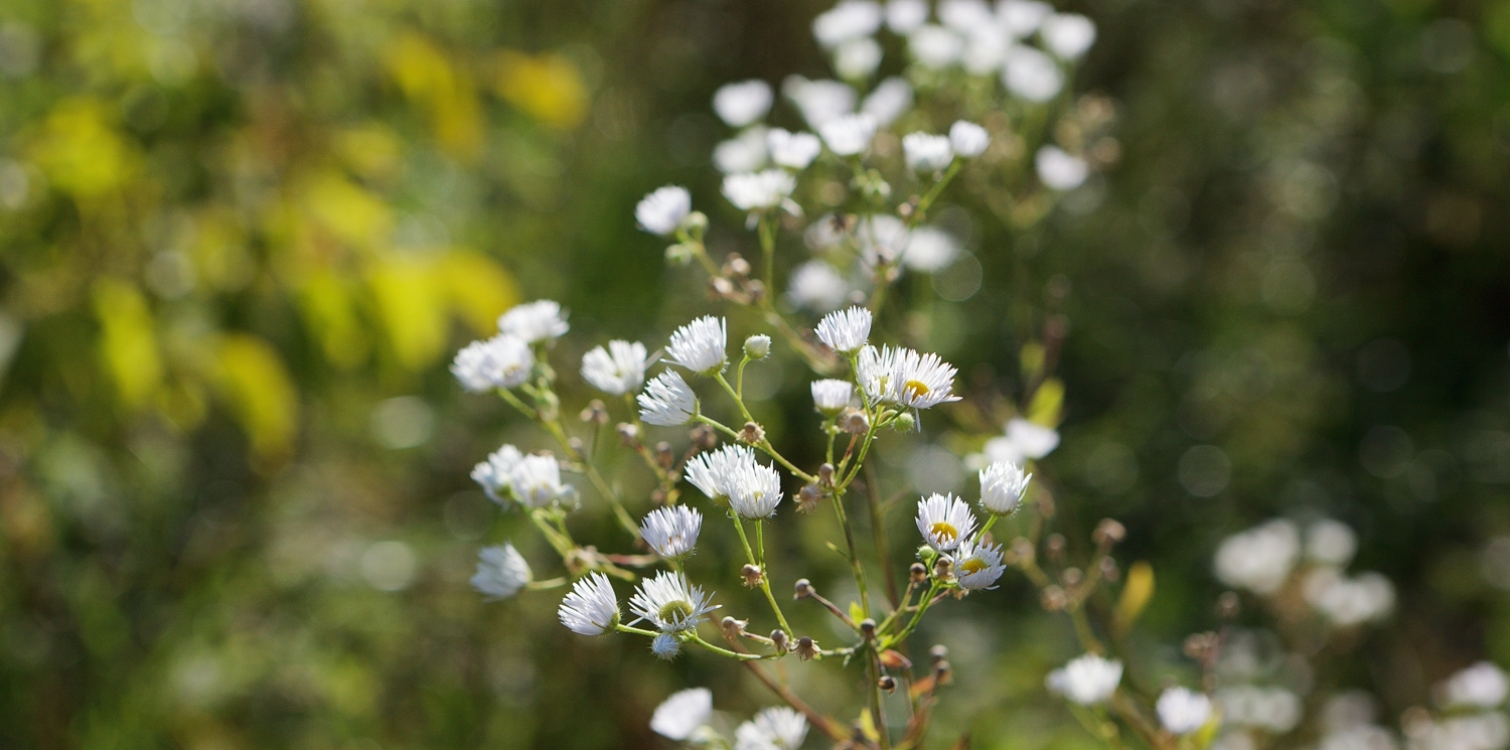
(1183, 711)
(1330, 542)
(1483, 731)
(501, 572)
(683, 713)
(662, 211)
(1059, 170)
(672, 532)
(935, 47)
(850, 19)
(616, 370)
(710, 471)
(1274, 709)
(777, 728)
(905, 377)
(849, 135)
(925, 152)
(1032, 75)
(759, 191)
(1260, 558)
(816, 286)
(1087, 680)
(667, 400)
(1067, 35)
(590, 608)
(503, 361)
(669, 603)
(793, 150)
(536, 482)
(534, 322)
(930, 249)
(945, 521)
(985, 50)
(757, 347)
(745, 152)
(882, 238)
(968, 139)
(754, 490)
(665, 646)
(890, 100)
(966, 15)
(740, 104)
(1002, 485)
(857, 58)
(819, 101)
(1482, 685)
(845, 330)
(978, 566)
(494, 473)
(831, 396)
(1349, 601)
(1023, 440)
(700, 346)
(902, 16)
(824, 233)
(1022, 17)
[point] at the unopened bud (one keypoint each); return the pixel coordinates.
(628, 434)
(752, 575)
(1109, 531)
(1109, 570)
(1072, 577)
(1228, 605)
(803, 589)
(938, 653)
(1022, 549)
(679, 254)
(1054, 546)
(778, 639)
(722, 287)
(733, 628)
(752, 433)
(941, 567)
(826, 474)
(658, 496)
(695, 223)
(1053, 598)
(942, 671)
(808, 497)
(736, 265)
(917, 573)
(868, 629)
(854, 421)
(595, 412)
(663, 455)
(807, 648)
(758, 346)
(904, 422)
(756, 289)
(887, 683)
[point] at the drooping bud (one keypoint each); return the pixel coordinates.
(679, 254)
(663, 455)
(595, 412)
(703, 437)
(803, 589)
(807, 648)
(808, 497)
(722, 287)
(778, 639)
(893, 659)
(887, 683)
(941, 567)
(733, 628)
(753, 575)
(1072, 577)
(917, 573)
(1054, 545)
(1053, 598)
(752, 433)
(826, 475)
(695, 223)
(1109, 570)
(1022, 550)
(854, 421)
(1109, 531)
(576, 444)
(758, 346)
(736, 265)
(938, 653)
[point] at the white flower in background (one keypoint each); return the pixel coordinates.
(536, 482)
(816, 286)
(966, 15)
(501, 572)
(857, 58)
(985, 50)
(1020, 18)
(919, 381)
(541, 320)
(667, 400)
(504, 361)
(846, 330)
(1059, 170)
(935, 47)
(700, 346)
(1482, 685)
(1484, 731)
(754, 490)
(1002, 486)
(1349, 601)
(683, 713)
(930, 250)
(902, 16)
(494, 473)
(882, 238)
(672, 532)
(1087, 680)
(590, 608)
(1183, 711)
(1330, 542)
(665, 646)
(850, 19)
(743, 103)
(1260, 558)
(710, 471)
(759, 191)
(1276, 710)
(616, 370)
(978, 566)
(662, 211)
(1067, 35)
(891, 99)
(777, 728)
(824, 233)
(968, 139)
(1023, 441)
(745, 152)
(831, 396)
(1031, 75)
(849, 135)
(669, 603)
(944, 521)
(926, 152)
(792, 150)
(819, 101)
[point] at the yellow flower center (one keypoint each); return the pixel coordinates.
(915, 389)
(944, 530)
(973, 565)
(676, 611)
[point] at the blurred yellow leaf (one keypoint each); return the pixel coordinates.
(128, 343)
(80, 152)
(1047, 401)
(347, 210)
(330, 312)
(427, 78)
(412, 310)
(479, 289)
(868, 726)
(260, 393)
(371, 150)
(1136, 594)
(548, 87)
(1031, 360)
(855, 612)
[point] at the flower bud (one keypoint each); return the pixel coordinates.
(1109, 570)
(1054, 545)
(1109, 531)
(807, 648)
(918, 572)
(868, 629)
(695, 223)
(1072, 577)
(927, 554)
(702, 437)
(595, 412)
(941, 567)
(752, 433)
(722, 287)
(733, 628)
(887, 683)
(854, 421)
(826, 475)
(629, 434)
(758, 346)
(736, 265)
(663, 455)
(1022, 550)
(938, 653)
(803, 589)
(752, 575)
(679, 254)
(778, 639)
(904, 422)
(1053, 598)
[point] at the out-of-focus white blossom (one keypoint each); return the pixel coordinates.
(845, 330)
(1002, 486)
(1088, 680)
(745, 152)
(504, 361)
(501, 572)
(926, 152)
(882, 238)
(930, 250)
(1260, 558)
(777, 728)
(850, 19)
(792, 150)
(965, 15)
(831, 396)
(1019, 18)
(1183, 711)
(663, 211)
(1349, 601)
(819, 101)
(683, 713)
(1275, 710)
(849, 135)
(667, 400)
(968, 139)
(1022, 441)
(1483, 685)
(541, 320)
(857, 58)
(890, 100)
(935, 47)
(759, 191)
(944, 521)
(1330, 542)
(1484, 731)
(1067, 35)
(591, 607)
(902, 16)
(1060, 170)
(1031, 75)
(743, 103)
(985, 50)
(617, 370)
(816, 286)
(536, 482)
(670, 603)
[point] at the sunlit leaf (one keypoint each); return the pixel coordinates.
(260, 393)
(128, 342)
(1136, 594)
(412, 309)
(479, 289)
(548, 87)
(445, 92)
(80, 151)
(1047, 403)
(329, 309)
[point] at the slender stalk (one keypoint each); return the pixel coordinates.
(835, 731)
(765, 584)
(877, 709)
(695, 638)
(854, 557)
(764, 445)
(768, 249)
(923, 605)
(878, 532)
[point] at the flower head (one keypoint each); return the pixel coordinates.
(700, 346)
(1059, 170)
(541, 320)
(1067, 35)
(1482, 685)
(1260, 558)
(590, 608)
(882, 238)
(945, 521)
(1002, 485)
(667, 400)
(1087, 680)
(536, 482)
(504, 361)
(740, 104)
(906, 378)
(930, 249)
(616, 370)
(501, 572)
(669, 603)
(777, 728)
(1020, 18)
(925, 152)
(903, 16)
(1330, 542)
(845, 330)
(1182, 710)
(672, 532)
(665, 646)
(849, 135)
(754, 490)
(819, 101)
(1023, 440)
(968, 139)
(759, 191)
(935, 47)
(890, 100)
(745, 152)
(978, 566)
(792, 150)
(966, 15)
(857, 58)
(710, 471)
(850, 19)
(663, 211)
(831, 396)
(494, 473)
(817, 286)
(683, 713)
(1031, 75)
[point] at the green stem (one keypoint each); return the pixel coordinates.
(765, 584)
(923, 605)
(695, 638)
(854, 557)
(764, 445)
(768, 248)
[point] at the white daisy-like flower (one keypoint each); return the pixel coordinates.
(700, 346)
(667, 400)
(985, 50)
(919, 381)
(501, 572)
(968, 139)
(1087, 680)
(663, 211)
(683, 713)
(1002, 486)
(1031, 74)
(669, 603)
(890, 99)
(754, 490)
(945, 521)
(591, 608)
(710, 471)
(1482, 685)
(819, 101)
(504, 361)
(930, 249)
(740, 104)
(815, 285)
(665, 646)
(846, 330)
(902, 16)
(616, 370)
(759, 191)
(1259, 559)
(850, 19)
(849, 135)
(1182, 710)
(874, 370)
(1345, 601)
(536, 482)
(745, 152)
(1023, 441)
(1067, 35)
(966, 15)
(1060, 170)
(494, 473)
(776, 728)
(935, 47)
(541, 320)
(672, 532)
(857, 58)
(882, 238)
(926, 152)
(978, 566)
(831, 396)
(1330, 542)
(792, 150)
(1022, 17)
